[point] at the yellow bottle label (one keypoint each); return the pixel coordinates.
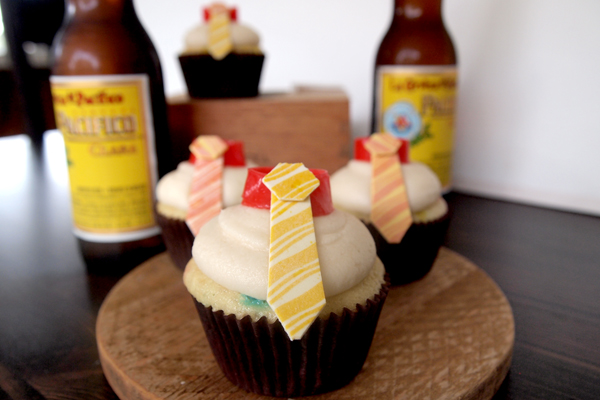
(107, 126)
(417, 103)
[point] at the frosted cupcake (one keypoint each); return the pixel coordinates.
(173, 199)
(413, 257)
(222, 58)
(229, 280)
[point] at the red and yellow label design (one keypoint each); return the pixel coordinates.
(106, 122)
(417, 103)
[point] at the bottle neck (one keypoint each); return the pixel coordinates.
(100, 10)
(417, 10)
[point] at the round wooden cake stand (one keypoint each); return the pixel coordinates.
(447, 336)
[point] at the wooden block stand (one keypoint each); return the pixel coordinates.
(448, 336)
(304, 126)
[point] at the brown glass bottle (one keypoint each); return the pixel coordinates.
(105, 64)
(417, 55)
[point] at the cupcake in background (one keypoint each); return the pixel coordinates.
(413, 256)
(173, 199)
(222, 58)
(236, 295)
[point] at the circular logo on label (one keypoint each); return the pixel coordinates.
(402, 120)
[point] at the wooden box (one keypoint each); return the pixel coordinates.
(308, 126)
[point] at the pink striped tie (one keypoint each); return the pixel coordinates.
(205, 192)
(390, 211)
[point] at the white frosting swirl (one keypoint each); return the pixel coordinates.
(351, 186)
(174, 188)
(241, 36)
(233, 250)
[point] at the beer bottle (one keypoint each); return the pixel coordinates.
(109, 104)
(415, 84)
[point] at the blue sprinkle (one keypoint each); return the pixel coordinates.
(253, 302)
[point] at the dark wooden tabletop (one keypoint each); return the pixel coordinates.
(546, 262)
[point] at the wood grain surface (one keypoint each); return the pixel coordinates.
(304, 126)
(448, 336)
(545, 261)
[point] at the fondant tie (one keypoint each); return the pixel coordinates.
(207, 181)
(295, 287)
(390, 211)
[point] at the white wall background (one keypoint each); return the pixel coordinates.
(528, 125)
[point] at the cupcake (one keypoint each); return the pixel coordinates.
(173, 199)
(412, 258)
(222, 58)
(230, 279)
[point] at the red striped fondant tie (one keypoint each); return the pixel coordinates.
(295, 289)
(390, 211)
(207, 181)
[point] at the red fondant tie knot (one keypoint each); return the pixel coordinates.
(382, 144)
(362, 154)
(233, 156)
(208, 147)
(257, 195)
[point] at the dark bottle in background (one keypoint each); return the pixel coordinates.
(415, 84)
(109, 103)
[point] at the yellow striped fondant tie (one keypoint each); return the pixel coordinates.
(219, 34)
(206, 189)
(390, 211)
(295, 289)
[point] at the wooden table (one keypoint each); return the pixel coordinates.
(546, 262)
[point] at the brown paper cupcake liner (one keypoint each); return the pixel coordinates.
(237, 75)
(259, 357)
(178, 239)
(413, 257)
